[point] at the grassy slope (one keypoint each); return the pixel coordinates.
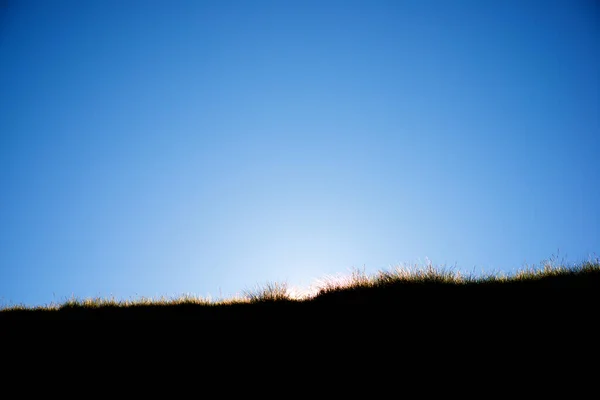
(409, 296)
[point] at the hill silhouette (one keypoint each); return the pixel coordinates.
(418, 296)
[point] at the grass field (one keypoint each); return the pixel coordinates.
(552, 289)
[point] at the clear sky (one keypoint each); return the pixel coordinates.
(157, 148)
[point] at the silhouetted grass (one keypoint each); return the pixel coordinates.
(416, 292)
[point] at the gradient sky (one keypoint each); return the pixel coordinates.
(157, 148)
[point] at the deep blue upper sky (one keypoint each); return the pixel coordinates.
(154, 148)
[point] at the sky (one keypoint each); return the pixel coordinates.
(161, 148)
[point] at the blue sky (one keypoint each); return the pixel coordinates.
(156, 148)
